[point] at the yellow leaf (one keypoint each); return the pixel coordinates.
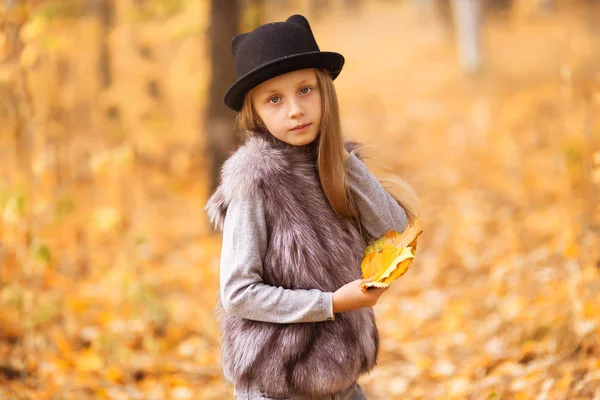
(101, 393)
(182, 392)
(6, 73)
(100, 162)
(33, 29)
(106, 219)
(11, 325)
(405, 254)
(571, 249)
(62, 343)
(563, 384)
(423, 362)
(591, 309)
(522, 396)
(389, 257)
(114, 374)
(402, 264)
(596, 175)
(29, 56)
(89, 360)
(596, 158)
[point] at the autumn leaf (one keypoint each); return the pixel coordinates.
(89, 361)
(389, 257)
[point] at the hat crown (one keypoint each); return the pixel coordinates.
(271, 42)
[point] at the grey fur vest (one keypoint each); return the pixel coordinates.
(309, 247)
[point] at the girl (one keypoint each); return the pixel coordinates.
(297, 208)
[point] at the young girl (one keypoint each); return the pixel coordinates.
(297, 208)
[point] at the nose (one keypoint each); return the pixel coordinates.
(295, 110)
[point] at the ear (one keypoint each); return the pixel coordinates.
(300, 20)
(235, 43)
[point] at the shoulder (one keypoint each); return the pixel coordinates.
(254, 162)
(354, 147)
(236, 208)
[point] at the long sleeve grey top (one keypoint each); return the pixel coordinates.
(242, 290)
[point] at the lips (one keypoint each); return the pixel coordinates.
(298, 127)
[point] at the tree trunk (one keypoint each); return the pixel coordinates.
(104, 11)
(318, 7)
(20, 101)
(425, 6)
(546, 5)
(467, 22)
(443, 12)
(221, 137)
(352, 5)
(252, 14)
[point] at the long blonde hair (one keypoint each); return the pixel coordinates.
(331, 154)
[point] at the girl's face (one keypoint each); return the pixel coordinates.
(289, 105)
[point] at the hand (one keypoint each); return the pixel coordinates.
(350, 296)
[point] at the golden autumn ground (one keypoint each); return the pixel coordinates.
(109, 273)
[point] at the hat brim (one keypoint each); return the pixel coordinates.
(332, 62)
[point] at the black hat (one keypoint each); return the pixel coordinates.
(274, 49)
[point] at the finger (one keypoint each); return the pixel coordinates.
(374, 291)
(378, 291)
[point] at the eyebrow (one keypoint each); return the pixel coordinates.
(299, 84)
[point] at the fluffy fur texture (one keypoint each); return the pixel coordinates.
(309, 247)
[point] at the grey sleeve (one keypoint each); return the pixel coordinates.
(242, 290)
(379, 212)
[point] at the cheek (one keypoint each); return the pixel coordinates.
(309, 102)
(270, 119)
(316, 105)
(263, 114)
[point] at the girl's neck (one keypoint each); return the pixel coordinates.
(309, 150)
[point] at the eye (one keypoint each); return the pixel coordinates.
(305, 90)
(274, 99)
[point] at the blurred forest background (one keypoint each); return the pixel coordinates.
(112, 127)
